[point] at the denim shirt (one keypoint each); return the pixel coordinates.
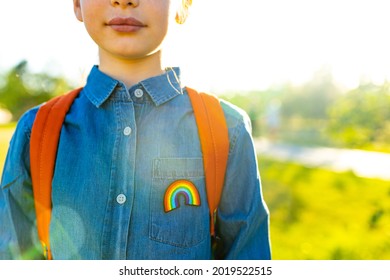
(119, 150)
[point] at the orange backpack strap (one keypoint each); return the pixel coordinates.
(214, 139)
(43, 151)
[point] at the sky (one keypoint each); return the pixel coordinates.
(225, 45)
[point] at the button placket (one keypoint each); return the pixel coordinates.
(121, 195)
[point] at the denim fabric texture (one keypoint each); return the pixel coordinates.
(118, 152)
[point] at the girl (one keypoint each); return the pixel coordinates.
(128, 136)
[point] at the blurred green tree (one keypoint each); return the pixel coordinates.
(313, 99)
(361, 118)
(22, 90)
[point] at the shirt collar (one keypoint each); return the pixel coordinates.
(99, 86)
(160, 88)
(164, 87)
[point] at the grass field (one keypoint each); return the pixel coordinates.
(319, 214)
(315, 214)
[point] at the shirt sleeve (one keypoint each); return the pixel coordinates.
(18, 233)
(242, 216)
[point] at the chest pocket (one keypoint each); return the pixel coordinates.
(179, 216)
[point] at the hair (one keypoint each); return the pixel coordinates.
(183, 11)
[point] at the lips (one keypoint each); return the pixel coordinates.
(128, 24)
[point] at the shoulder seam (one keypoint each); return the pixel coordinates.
(235, 135)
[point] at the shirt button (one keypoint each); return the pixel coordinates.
(127, 131)
(138, 93)
(121, 198)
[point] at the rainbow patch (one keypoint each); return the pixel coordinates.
(180, 188)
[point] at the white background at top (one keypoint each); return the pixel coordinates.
(225, 45)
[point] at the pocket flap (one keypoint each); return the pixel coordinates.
(168, 168)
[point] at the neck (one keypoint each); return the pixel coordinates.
(130, 71)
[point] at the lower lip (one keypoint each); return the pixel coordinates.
(126, 28)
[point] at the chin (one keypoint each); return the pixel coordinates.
(135, 55)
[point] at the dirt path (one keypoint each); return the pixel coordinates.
(362, 163)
